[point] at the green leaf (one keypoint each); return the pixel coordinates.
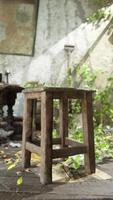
(19, 180)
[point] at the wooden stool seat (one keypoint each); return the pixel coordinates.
(44, 146)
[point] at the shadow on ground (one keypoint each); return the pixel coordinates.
(96, 186)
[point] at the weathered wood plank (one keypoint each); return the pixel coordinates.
(56, 90)
(44, 146)
(32, 95)
(74, 143)
(87, 118)
(71, 93)
(56, 141)
(33, 148)
(68, 151)
(34, 104)
(27, 131)
(63, 119)
(46, 138)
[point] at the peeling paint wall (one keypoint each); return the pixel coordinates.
(60, 23)
(17, 26)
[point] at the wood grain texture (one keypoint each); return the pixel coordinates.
(87, 118)
(27, 131)
(69, 151)
(33, 148)
(63, 119)
(46, 138)
(44, 146)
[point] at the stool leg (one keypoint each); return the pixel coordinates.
(87, 114)
(63, 112)
(46, 138)
(27, 121)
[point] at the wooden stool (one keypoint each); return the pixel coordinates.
(68, 147)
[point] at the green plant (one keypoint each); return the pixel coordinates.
(81, 76)
(33, 84)
(102, 3)
(103, 143)
(74, 162)
(97, 16)
(103, 113)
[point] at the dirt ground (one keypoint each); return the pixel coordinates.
(95, 186)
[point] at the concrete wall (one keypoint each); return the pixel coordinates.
(60, 23)
(17, 26)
